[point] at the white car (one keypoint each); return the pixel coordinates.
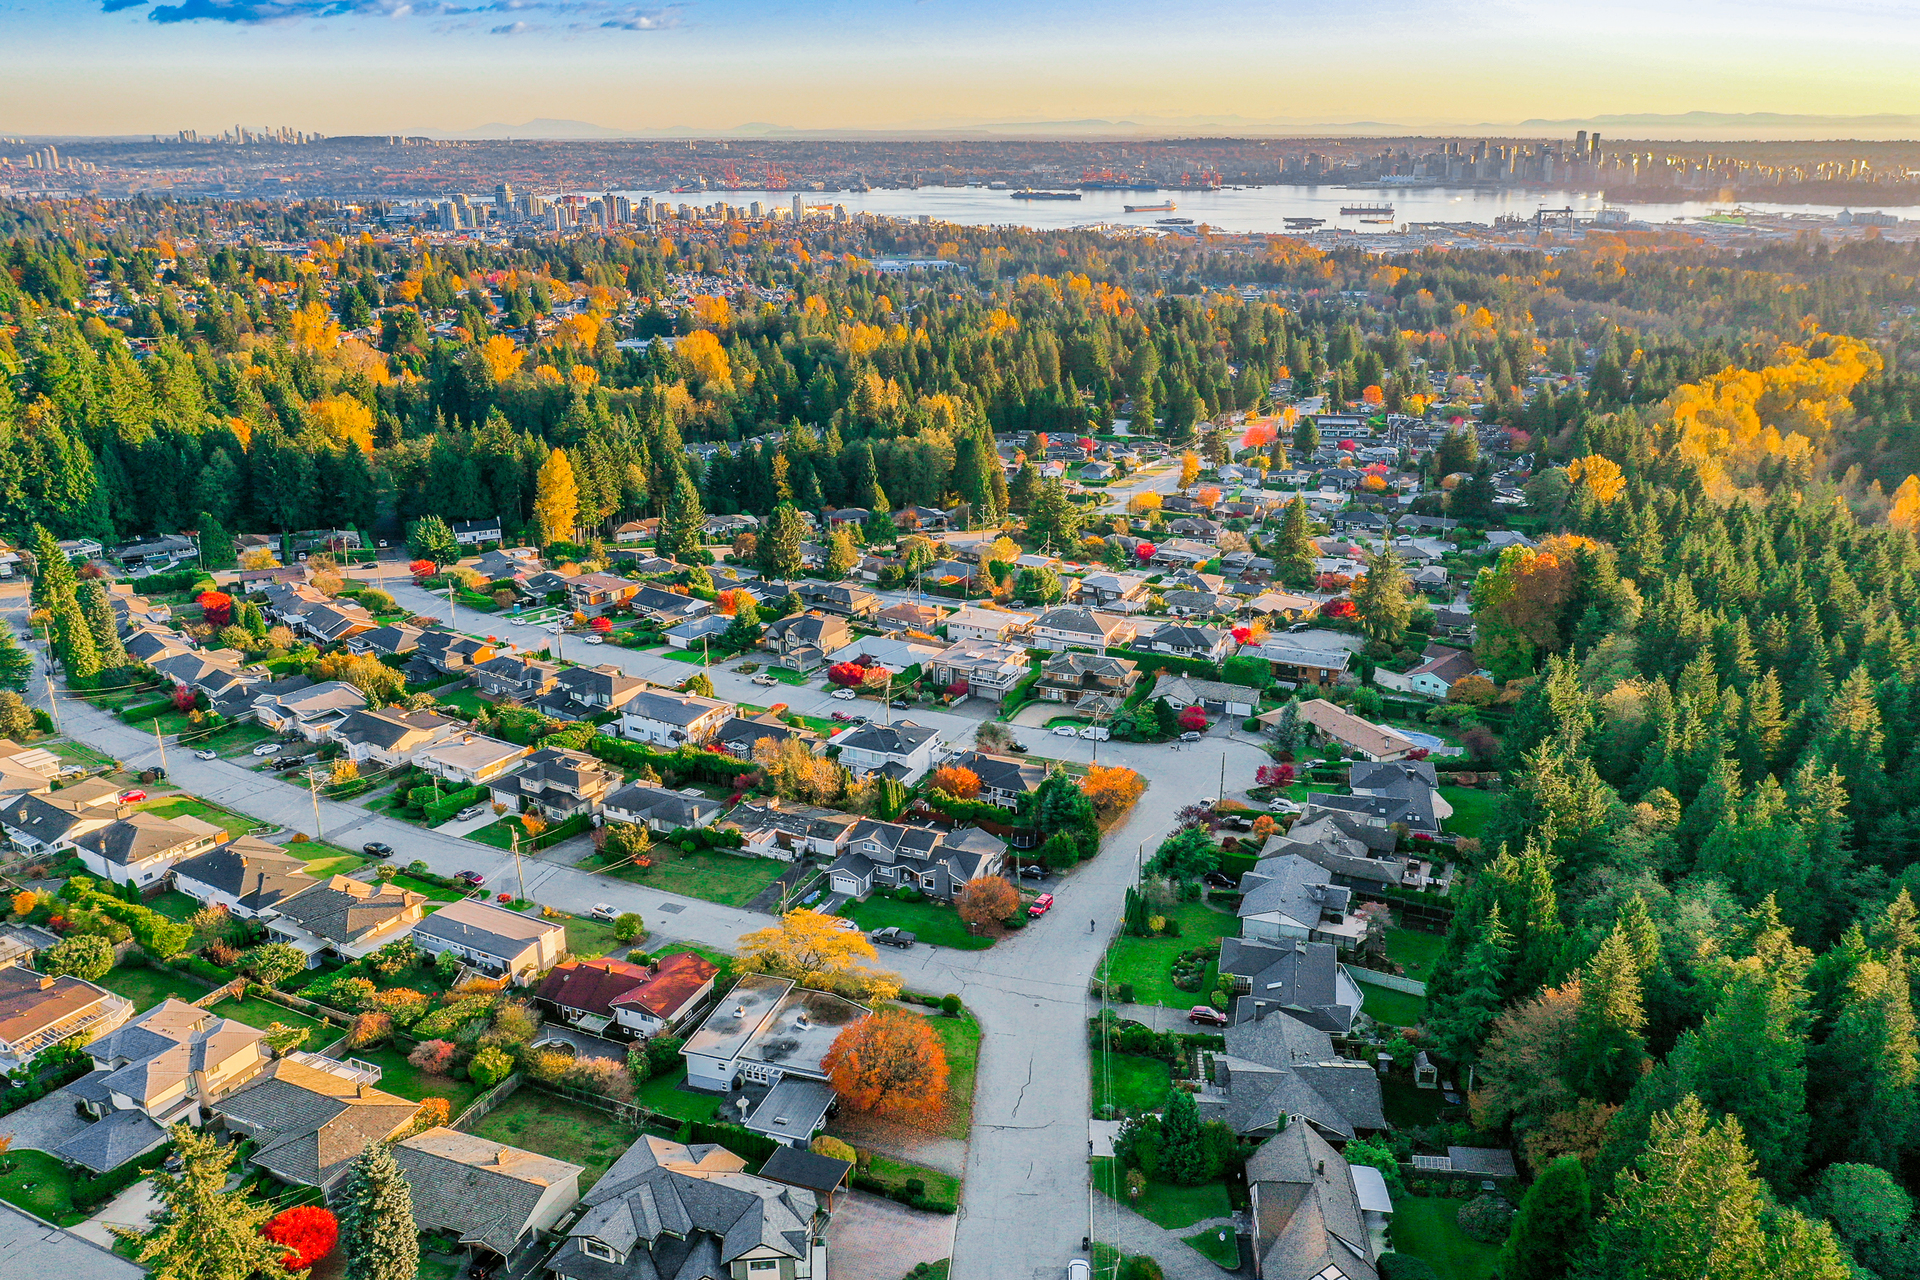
(1065, 731)
(765, 680)
(844, 925)
(604, 911)
(552, 629)
(596, 639)
(469, 813)
(845, 695)
(518, 622)
(267, 749)
(206, 755)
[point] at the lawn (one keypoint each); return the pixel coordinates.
(434, 892)
(1471, 809)
(1221, 1252)
(933, 923)
(590, 939)
(960, 1037)
(325, 859)
(720, 959)
(80, 753)
(39, 1184)
(555, 1127)
(730, 879)
(1424, 1226)
(256, 1012)
(1415, 951)
(1395, 1008)
(1147, 963)
(1407, 1107)
(894, 1173)
(466, 700)
(234, 824)
(1163, 1204)
(664, 1094)
(397, 1075)
(148, 987)
(1134, 1085)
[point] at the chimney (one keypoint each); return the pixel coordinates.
(1320, 1167)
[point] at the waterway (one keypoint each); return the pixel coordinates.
(1250, 209)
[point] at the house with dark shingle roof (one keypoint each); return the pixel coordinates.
(668, 719)
(1308, 1223)
(396, 639)
(1004, 780)
(557, 783)
(493, 939)
(390, 737)
(1303, 979)
(937, 863)
(1276, 1068)
(52, 822)
(248, 877)
(310, 1116)
(659, 809)
(170, 1064)
(492, 1196)
(580, 692)
(142, 847)
(630, 999)
(347, 917)
(902, 750)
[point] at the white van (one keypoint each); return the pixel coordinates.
(1098, 733)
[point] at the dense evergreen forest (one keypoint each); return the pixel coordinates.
(1696, 903)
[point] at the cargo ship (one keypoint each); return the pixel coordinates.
(1305, 224)
(1366, 211)
(1046, 195)
(1165, 206)
(1173, 222)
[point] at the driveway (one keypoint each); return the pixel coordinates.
(131, 1208)
(44, 1124)
(874, 1239)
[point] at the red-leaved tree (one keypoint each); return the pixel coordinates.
(182, 698)
(308, 1230)
(1193, 719)
(602, 625)
(420, 568)
(1274, 775)
(1144, 551)
(848, 675)
(216, 607)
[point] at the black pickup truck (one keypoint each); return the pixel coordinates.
(893, 936)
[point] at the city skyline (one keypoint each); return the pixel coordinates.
(632, 66)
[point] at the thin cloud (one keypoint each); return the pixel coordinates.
(583, 14)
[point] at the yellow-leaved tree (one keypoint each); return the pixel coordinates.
(556, 503)
(345, 420)
(502, 357)
(814, 950)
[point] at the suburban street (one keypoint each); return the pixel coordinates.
(1028, 1150)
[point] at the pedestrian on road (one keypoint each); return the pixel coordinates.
(1090, 926)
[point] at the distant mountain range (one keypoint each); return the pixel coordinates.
(1703, 125)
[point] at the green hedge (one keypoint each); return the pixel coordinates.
(748, 1145)
(714, 766)
(1198, 668)
(89, 1192)
(148, 711)
(439, 811)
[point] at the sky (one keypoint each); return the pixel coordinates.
(1282, 66)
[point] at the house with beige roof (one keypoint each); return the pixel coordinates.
(1332, 724)
(500, 942)
(347, 917)
(471, 759)
(38, 1012)
(490, 1196)
(141, 848)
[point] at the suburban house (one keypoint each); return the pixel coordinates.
(334, 621)
(1070, 626)
(248, 877)
(765, 1030)
(218, 673)
(1004, 780)
(580, 692)
(698, 631)
(498, 942)
(793, 1111)
(1332, 724)
(471, 759)
(310, 1116)
(846, 599)
(1215, 698)
(516, 676)
(1300, 664)
(1002, 625)
(1283, 605)
(902, 750)
(1290, 897)
(893, 854)
(1089, 680)
(637, 1000)
(471, 533)
(1302, 979)
(668, 719)
(489, 1196)
(776, 828)
(140, 848)
(1277, 1070)
(173, 1063)
(451, 653)
(396, 639)
(1110, 589)
(312, 712)
(389, 737)
(667, 607)
(1440, 666)
(51, 822)
(556, 783)
(1183, 640)
(989, 668)
(1310, 1220)
(349, 918)
(739, 735)
(909, 616)
(38, 1012)
(21, 943)
(660, 810)
(804, 640)
(691, 1212)
(597, 593)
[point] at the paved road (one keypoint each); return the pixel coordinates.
(1027, 1198)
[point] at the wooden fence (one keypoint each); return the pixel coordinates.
(478, 1109)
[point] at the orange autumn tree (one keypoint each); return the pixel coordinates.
(985, 899)
(958, 782)
(1112, 787)
(890, 1063)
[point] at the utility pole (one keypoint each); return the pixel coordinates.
(53, 703)
(1223, 777)
(518, 875)
(313, 790)
(162, 744)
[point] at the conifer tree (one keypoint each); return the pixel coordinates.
(1381, 597)
(1550, 1229)
(683, 524)
(101, 624)
(202, 1231)
(216, 544)
(377, 1231)
(779, 546)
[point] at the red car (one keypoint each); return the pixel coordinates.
(1041, 905)
(472, 878)
(1207, 1015)
(132, 797)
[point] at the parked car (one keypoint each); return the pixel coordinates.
(134, 796)
(765, 681)
(376, 849)
(841, 715)
(844, 925)
(893, 936)
(204, 754)
(1219, 880)
(1096, 733)
(1041, 905)
(1019, 748)
(604, 911)
(518, 622)
(1286, 807)
(473, 878)
(1033, 871)
(266, 748)
(289, 762)
(469, 813)
(1190, 736)
(1207, 1016)
(845, 695)
(1065, 731)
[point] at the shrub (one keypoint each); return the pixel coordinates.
(402, 1005)
(603, 1076)
(273, 962)
(628, 926)
(83, 956)
(1139, 1267)
(449, 1018)
(369, 1029)
(353, 993)
(435, 1057)
(950, 1005)
(489, 1067)
(446, 964)
(308, 1230)
(514, 1023)
(1485, 1218)
(548, 1066)
(833, 1149)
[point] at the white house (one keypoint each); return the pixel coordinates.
(765, 1030)
(638, 1000)
(471, 759)
(668, 719)
(141, 847)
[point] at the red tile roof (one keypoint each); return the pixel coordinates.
(596, 986)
